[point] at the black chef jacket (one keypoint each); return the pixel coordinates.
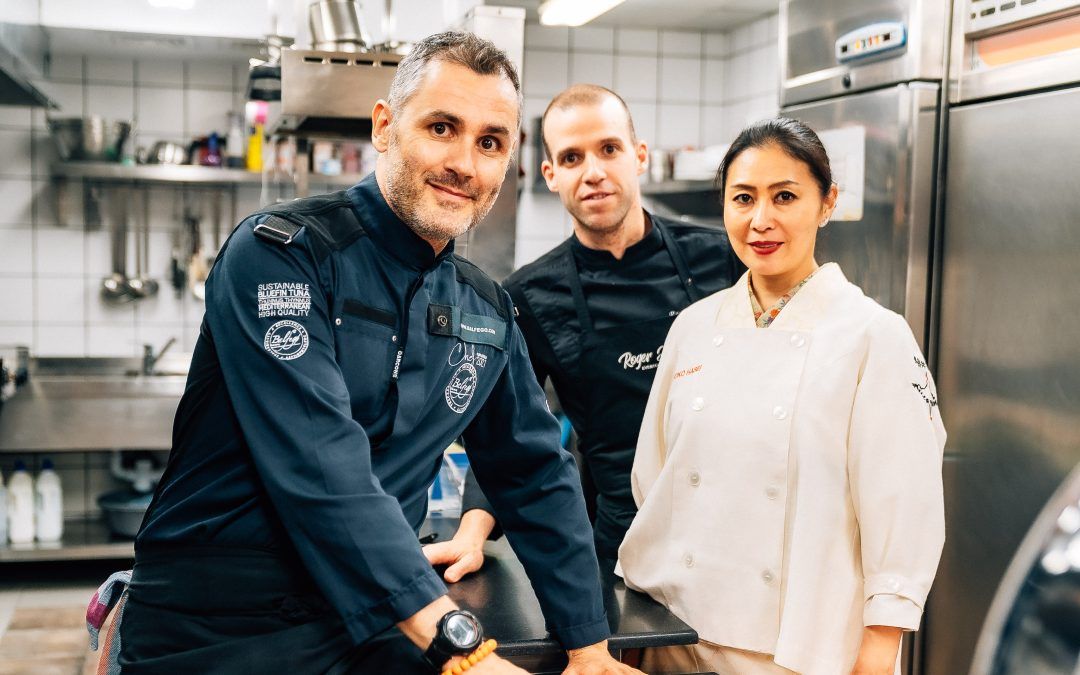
(622, 291)
(330, 374)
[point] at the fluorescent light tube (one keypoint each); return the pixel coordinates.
(573, 12)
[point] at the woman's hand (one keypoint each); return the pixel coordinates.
(877, 653)
(596, 660)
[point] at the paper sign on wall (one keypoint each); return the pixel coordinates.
(847, 155)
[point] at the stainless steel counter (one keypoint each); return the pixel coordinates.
(83, 414)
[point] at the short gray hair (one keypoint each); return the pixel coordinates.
(465, 49)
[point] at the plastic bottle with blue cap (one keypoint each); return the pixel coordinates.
(20, 506)
(48, 504)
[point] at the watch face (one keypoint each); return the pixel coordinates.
(462, 630)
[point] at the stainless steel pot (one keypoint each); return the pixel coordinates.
(89, 138)
(335, 26)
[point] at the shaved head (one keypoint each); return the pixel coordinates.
(582, 94)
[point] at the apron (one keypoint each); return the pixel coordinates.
(231, 610)
(617, 367)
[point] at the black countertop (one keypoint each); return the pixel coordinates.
(501, 597)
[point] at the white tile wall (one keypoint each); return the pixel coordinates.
(680, 79)
(16, 252)
(52, 273)
(592, 68)
(684, 88)
(637, 41)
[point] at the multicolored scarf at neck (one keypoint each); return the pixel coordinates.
(764, 318)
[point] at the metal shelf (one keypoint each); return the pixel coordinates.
(182, 173)
(82, 540)
(678, 187)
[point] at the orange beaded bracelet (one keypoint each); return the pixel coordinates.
(472, 659)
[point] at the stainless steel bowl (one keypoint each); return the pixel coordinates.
(89, 138)
(167, 152)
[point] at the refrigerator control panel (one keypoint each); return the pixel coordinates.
(990, 16)
(870, 40)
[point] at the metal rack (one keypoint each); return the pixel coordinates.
(182, 173)
(82, 540)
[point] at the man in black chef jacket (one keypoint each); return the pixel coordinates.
(595, 309)
(344, 347)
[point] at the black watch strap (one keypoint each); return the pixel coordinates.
(443, 647)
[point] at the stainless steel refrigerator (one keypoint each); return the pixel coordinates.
(867, 75)
(1009, 346)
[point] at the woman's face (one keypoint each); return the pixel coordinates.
(772, 211)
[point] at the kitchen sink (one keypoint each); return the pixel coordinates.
(157, 386)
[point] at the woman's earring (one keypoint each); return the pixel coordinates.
(824, 223)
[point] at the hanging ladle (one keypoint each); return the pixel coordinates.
(142, 286)
(115, 287)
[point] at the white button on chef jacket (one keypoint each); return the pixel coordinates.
(832, 414)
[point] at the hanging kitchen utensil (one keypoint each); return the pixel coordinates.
(216, 215)
(135, 282)
(197, 268)
(177, 259)
(142, 285)
(115, 287)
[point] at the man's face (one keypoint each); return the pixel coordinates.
(444, 155)
(594, 163)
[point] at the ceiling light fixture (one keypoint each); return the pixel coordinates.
(573, 12)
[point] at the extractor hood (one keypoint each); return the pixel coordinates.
(330, 93)
(20, 45)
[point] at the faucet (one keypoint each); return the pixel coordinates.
(150, 360)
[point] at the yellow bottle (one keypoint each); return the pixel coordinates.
(255, 148)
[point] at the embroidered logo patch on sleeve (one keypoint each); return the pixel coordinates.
(286, 340)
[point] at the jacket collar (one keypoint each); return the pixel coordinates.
(600, 259)
(802, 313)
(388, 230)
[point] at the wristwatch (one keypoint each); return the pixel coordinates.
(457, 633)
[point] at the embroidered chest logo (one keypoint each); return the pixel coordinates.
(284, 299)
(642, 361)
(286, 340)
(462, 385)
(925, 388)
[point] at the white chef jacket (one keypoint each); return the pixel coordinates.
(789, 478)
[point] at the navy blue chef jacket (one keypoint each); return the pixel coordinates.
(330, 374)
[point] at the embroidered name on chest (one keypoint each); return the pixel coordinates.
(450, 321)
(688, 371)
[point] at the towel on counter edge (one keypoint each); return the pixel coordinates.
(109, 595)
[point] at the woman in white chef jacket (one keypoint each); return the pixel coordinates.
(788, 471)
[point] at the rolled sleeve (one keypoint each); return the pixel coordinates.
(892, 610)
(312, 457)
(534, 488)
(895, 447)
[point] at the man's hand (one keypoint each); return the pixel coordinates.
(596, 660)
(465, 552)
(877, 653)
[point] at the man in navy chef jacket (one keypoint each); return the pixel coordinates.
(595, 309)
(344, 347)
